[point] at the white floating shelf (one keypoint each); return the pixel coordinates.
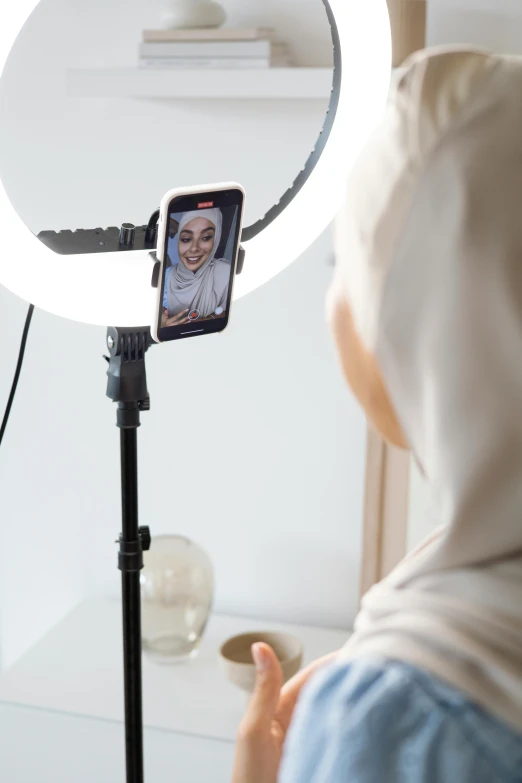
(254, 84)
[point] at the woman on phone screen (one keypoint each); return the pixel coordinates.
(199, 283)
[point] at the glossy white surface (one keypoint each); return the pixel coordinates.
(39, 745)
(77, 669)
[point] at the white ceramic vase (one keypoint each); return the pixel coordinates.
(194, 13)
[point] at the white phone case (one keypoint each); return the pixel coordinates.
(162, 228)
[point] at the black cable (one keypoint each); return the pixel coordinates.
(152, 229)
(153, 221)
(17, 371)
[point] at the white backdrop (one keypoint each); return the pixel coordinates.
(493, 24)
(273, 487)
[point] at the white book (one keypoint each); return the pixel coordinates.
(207, 63)
(210, 34)
(210, 49)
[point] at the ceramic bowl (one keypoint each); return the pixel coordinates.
(237, 662)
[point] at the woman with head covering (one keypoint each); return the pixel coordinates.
(426, 307)
(199, 283)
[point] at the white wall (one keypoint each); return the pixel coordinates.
(274, 492)
(497, 26)
(493, 24)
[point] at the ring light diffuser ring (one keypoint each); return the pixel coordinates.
(114, 288)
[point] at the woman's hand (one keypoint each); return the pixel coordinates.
(176, 320)
(264, 727)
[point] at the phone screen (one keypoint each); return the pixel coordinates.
(201, 245)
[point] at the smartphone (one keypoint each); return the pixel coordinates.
(199, 232)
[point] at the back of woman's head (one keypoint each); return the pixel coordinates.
(430, 263)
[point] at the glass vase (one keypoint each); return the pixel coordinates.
(177, 585)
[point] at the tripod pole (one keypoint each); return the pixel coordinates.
(127, 386)
(129, 564)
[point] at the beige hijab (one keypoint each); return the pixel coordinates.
(433, 242)
(204, 290)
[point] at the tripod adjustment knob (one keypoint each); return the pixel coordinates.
(145, 538)
(144, 405)
(127, 234)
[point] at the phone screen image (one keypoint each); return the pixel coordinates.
(201, 244)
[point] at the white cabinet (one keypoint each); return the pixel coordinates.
(50, 747)
(61, 705)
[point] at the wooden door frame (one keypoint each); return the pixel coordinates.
(408, 24)
(385, 524)
(386, 501)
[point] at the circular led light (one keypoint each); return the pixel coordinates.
(114, 288)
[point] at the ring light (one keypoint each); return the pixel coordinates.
(114, 288)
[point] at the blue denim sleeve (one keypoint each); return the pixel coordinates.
(387, 722)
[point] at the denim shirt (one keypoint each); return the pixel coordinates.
(378, 721)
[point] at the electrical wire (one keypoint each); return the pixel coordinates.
(153, 221)
(152, 229)
(17, 371)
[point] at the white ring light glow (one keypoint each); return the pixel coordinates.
(114, 288)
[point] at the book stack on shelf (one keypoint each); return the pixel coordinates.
(229, 48)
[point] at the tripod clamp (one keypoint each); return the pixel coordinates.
(130, 555)
(127, 378)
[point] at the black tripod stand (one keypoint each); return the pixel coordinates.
(127, 385)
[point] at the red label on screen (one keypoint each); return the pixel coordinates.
(205, 204)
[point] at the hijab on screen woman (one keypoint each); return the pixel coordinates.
(205, 290)
(432, 269)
